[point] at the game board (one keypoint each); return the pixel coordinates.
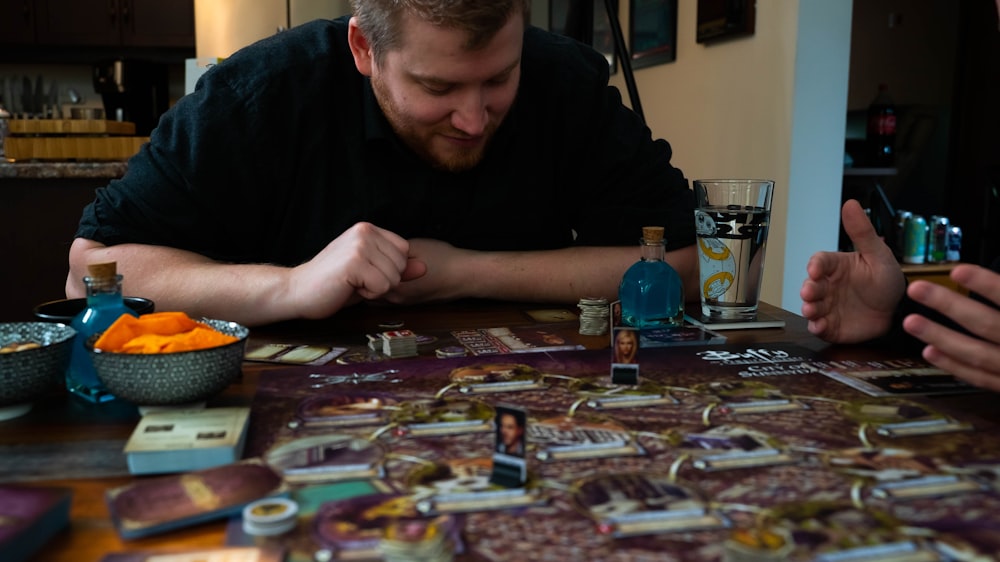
(719, 451)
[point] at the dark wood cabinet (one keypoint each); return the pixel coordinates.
(17, 22)
(160, 23)
(114, 23)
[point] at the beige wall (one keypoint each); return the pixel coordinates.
(222, 28)
(725, 108)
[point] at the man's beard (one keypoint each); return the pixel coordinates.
(420, 139)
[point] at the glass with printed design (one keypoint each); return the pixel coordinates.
(731, 220)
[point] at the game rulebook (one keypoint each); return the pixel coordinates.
(170, 441)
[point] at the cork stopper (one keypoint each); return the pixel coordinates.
(652, 234)
(103, 270)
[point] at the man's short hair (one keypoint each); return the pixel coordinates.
(381, 21)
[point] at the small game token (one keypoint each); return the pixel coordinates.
(594, 316)
(351, 358)
(391, 324)
(270, 517)
(424, 339)
(451, 351)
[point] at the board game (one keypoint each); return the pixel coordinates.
(717, 452)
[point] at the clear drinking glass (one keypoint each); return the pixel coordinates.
(731, 220)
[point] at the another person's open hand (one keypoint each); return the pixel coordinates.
(851, 296)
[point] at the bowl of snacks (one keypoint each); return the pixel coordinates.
(33, 360)
(167, 358)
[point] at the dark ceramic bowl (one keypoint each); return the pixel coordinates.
(65, 310)
(30, 373)
(170, 379)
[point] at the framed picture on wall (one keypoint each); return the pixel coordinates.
(653, 25)
(586, 21)
(724, 19)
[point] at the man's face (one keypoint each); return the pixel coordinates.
(510, 432)
(444, 102)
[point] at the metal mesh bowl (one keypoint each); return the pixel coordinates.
(166, 379)
(25, 375)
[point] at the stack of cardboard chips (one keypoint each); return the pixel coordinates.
(399, 343)
(416, 540)
(594, 315)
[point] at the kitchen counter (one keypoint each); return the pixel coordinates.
(63, 170)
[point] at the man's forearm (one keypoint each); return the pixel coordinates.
(183, 281)
(568, 274)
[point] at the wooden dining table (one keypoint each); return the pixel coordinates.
(67, 442)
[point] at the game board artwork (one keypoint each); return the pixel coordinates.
(717, 451)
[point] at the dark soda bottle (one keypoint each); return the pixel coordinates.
(881, 132)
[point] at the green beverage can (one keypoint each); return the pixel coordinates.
(915, 240)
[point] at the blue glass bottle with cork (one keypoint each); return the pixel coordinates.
(104, 305)
(651, 291)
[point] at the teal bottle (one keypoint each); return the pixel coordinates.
(651, 292)
(104, 305)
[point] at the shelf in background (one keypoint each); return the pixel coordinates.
(933, 272)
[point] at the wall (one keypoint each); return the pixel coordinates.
(772, 106)
(301, 11)
(908, 44)
(223, 27)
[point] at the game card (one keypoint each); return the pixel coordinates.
(605, 396)
(510, 467)
(635, 504)
(625, 356)
(496, 377)
(749, 397)
(881, 464)
(727, 447)
(326, 458)
(295, 354)
(419, 418)
(346, 409)
(463, 484)
(891, 417)
(582, 437)
(935, 486)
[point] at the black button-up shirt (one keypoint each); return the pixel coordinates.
(282, 147)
